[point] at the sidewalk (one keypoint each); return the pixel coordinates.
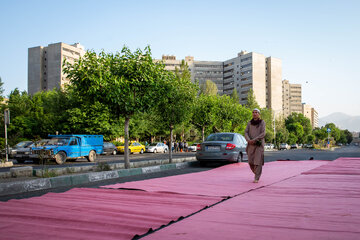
(293, 200)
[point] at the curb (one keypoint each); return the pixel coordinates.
(10, 188)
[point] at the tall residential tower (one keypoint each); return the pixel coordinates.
(45, 65)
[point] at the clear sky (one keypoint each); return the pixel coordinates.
(318, 41)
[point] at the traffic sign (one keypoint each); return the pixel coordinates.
(328, 130)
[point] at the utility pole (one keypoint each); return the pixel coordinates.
(274, 132)
(7, 122)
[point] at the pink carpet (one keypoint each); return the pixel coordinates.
(308, 206)
(228, 180)
(345, 166)
(94, 214)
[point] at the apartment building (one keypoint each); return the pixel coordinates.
(200, 70)
(242, 73)
(291, 98)
(247, 71)
(314, 118)
(45, 65)
(309, 112)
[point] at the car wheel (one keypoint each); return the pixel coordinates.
(114, 152)
(165, 150)
(155, 151)
(60, 158)
(240, 157)
(142, 151)
(92, 156)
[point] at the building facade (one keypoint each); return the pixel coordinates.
(242, 73)
(309, 112)
(291, 94)
(200, 70)
(45, 65)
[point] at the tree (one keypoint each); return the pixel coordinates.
(176, 105)
(235, 96)
(1, 90)
(203, 113)
(230, 116)
(298, 124)
(348, 136)
(335, 131)
(126, 82)
(251, 100)
(208, 88)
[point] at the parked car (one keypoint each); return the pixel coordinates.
(284, 146)
(268, 146)
(294, 146)
(192, 148)
(133, 147)
(109, 148)
(24, 153)
(18, 146)
(309, 145)
(220, 147)
(157, 147)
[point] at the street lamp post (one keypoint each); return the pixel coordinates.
(7, 122)
(274, 132)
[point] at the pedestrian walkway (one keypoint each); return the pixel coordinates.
(293, 200)
(227, 181)
(319, 204)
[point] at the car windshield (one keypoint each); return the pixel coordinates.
(22, 144)
(220, 137)
(58, 141)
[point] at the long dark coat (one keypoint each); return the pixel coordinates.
(255, 132)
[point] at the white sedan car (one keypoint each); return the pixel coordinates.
(157, 147)
(192, 148)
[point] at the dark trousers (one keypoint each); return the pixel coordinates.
(256, 169)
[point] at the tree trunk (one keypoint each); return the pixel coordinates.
(126, 144)
(170, 144)
(203, 133)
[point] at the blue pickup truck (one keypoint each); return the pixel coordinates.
(63, 147)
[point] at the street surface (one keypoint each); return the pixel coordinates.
(292, 154)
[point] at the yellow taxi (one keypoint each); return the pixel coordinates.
(133, 147)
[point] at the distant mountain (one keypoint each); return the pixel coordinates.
(342, 121)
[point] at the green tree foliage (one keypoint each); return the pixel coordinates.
(292, 139)
(1, 90)
(251, 100)
(299, 125)
(348, 136)
(208, 88)
(235, 96)
(230, 116)
(310, 138)
(126, 82)
(335, 131)
(320, 133)
(178, 96)
(204, 113)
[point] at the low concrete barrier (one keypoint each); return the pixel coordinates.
(15, 187)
